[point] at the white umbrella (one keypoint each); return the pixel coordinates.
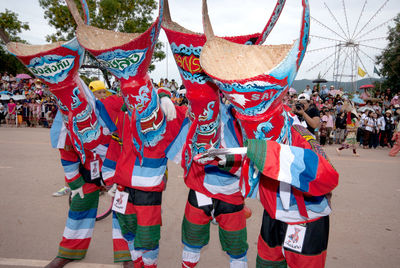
(364, 108)
(18, 97)
(4, 97)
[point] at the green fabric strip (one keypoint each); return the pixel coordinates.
(79, 182)
(73, 254)
(257, 151)
(128, 223)
(261, 263)
(147, 237)
(230, 161)
(89, 201)
(121, 256)
(194, 234)
(162, 94)
(234, 242)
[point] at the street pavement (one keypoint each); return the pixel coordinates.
(365, 223)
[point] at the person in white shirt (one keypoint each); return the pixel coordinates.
(381, 128)
(308, 90)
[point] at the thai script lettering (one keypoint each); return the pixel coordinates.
(50, 69)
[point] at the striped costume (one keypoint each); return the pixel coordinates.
(82, 214)
(144, 179)
(295, 182)
(225, 205)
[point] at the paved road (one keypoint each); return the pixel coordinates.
(365, 223)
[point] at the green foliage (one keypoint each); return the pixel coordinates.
(10, 24)
(86, 79)
(389, 60)
(117, 15)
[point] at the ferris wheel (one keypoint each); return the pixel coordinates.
(342, 44)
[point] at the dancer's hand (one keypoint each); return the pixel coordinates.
(168, 107)
(77, 191)
(112, 190)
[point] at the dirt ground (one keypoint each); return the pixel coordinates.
(365, 223)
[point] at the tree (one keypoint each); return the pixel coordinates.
(118, 15)
(10, 27)
(390, 58)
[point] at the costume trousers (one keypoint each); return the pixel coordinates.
(196, 230)
(80, 224)
(140, 225)
(271, 252)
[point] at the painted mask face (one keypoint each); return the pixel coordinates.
(57, 66)
(202, 93)
(128, 56)
(258, 77)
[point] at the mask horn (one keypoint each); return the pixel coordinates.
(167, 13)
(75, 13)
(208, 31)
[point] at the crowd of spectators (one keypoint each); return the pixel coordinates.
(322, 111)
(25, 102)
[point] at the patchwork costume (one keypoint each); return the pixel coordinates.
(81, 130)
(214, 193)
(138, 162)
(284, 164)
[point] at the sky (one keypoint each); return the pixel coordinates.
(236, 17)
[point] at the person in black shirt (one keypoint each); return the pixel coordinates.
(307, 112)
(340, 125)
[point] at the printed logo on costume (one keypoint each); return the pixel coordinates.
(188, 60)
(294, 238)
(123, 63)
(52, 68)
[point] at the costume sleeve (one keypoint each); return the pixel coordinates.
(70, 162)
(302, 168)
(105, 116)
(174, 149)
(110, 163)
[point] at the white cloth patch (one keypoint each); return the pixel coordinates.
(203, 200)
(294, 237)
(120, 202)
(94, 169)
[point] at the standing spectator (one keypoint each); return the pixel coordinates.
(323, 133)
(386, 102)
(12, 111)
(315, 98)
(307, 90)
(5, 77)
(161, 83)
(307, 113)
(381, 128)
(332, 91)
(340, 124)
(369, 128)
(167, 83)
(375, 132)
(173, 86)
(26, 114)
(324, 92)
(36, 110)
(389, 127)
(395, 101)
(328, 118)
